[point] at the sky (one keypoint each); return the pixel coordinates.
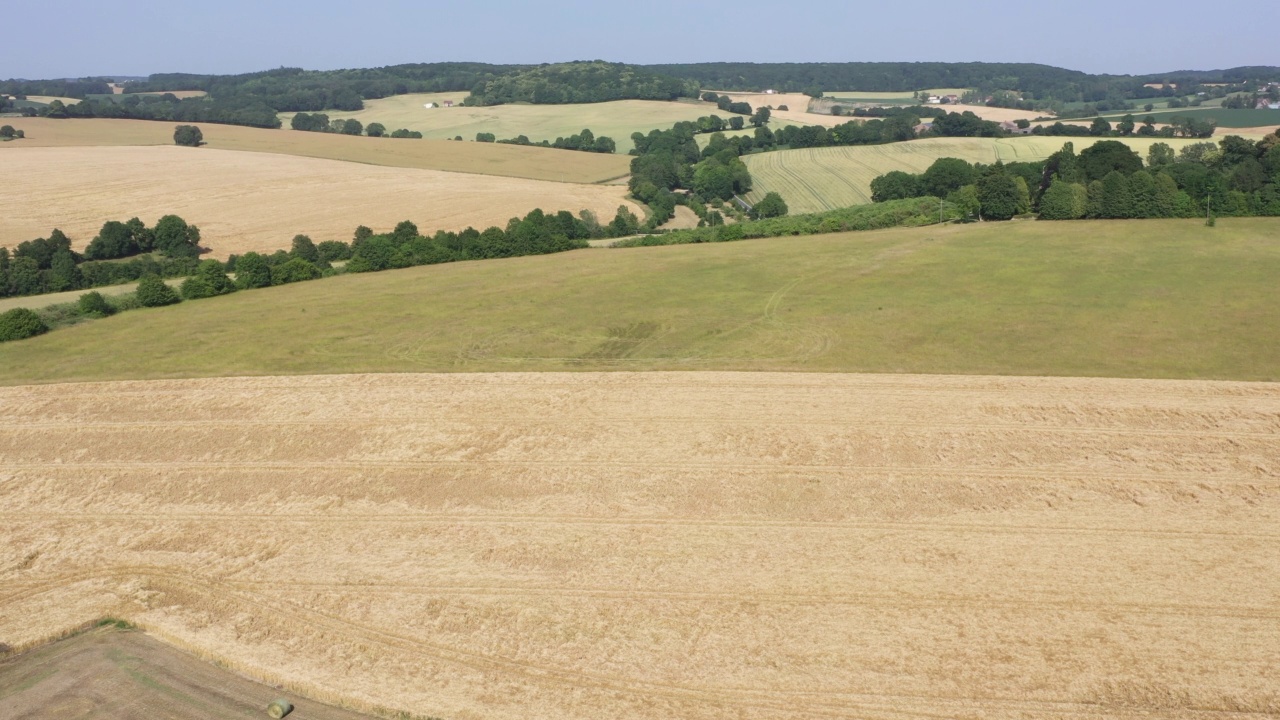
(76, 38)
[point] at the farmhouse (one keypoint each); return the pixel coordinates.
(1011, 127)
(923, 128)
(448, 103)
(951, 99)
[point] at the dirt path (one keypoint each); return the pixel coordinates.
(108, 674)
(692, 545)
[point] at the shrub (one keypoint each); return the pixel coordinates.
(19, 324)
(153, 292)
(188, 135)
(252, 271)
(771, 206)
(295, 270)
(93, 304)
(331, 250)
(210, 280)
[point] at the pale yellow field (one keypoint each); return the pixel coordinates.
(668, 545)
(481, 158)
(257, 201)
(539, 122)
(46, 99)
(178, 93)
(816, 179)
(683, 219)
(994, 113)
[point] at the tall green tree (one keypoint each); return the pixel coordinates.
(998, 195)
(1160, 154)
(303, 247)
(63, 273)
(945, 176)
(176, 239)
(1116, 199)
(1104, 156)
(895, 185)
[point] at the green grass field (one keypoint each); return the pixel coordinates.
(1224, 117)
(817, 179)
(539, 122)
(889, 98)
(1157, 298)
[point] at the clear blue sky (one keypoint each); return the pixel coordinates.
(71, 38)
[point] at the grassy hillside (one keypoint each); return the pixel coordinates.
(1111, 298)
(478, 158)
(616, 119)
(816, 179)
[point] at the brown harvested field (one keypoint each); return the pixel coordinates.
(108, 674)
(255, 201)
(478, 158)
(668, 545)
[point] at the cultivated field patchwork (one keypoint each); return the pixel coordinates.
(692, 545)
(246, 201)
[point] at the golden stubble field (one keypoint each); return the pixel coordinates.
(469, 157)
(258, 201)
(691, 545)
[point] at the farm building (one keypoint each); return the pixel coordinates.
(428, 105)
(923, 128)
(1011, 127)
(448, 103)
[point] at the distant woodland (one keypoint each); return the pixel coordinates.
(255, 98)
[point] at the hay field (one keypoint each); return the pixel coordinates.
(815, 179)
(479, 158)
(670, 545)
(256, 201)
(1142, 298)
(616, 119)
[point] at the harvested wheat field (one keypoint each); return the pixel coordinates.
(478, 158)
(246, 201)
(667, 545)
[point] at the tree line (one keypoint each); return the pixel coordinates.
(537, 233)
(1235, 177)
(46, 265)
(585, 141)
(226, 111)
(320, 122)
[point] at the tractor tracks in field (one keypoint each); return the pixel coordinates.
(785, 702)
(392, 519)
